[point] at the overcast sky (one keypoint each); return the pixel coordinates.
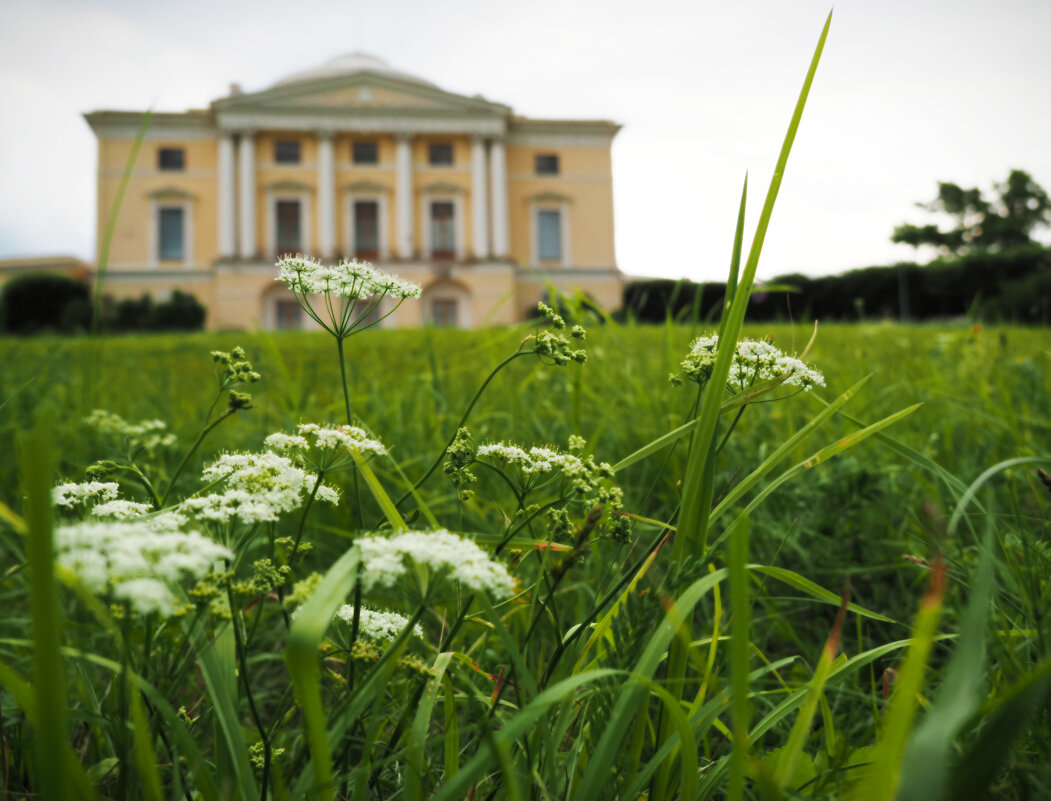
(908, 93)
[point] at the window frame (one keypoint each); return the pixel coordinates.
(365, 143)
(380, 198)
(431, 148)
(534, 219)
(460, 249)
(557, 162)
(171, 200)
(305, 229)
(277, 150)
(180, 167)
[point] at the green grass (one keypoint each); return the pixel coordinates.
(983, 396)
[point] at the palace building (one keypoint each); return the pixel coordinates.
(484, 209)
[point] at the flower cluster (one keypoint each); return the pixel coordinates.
(587, 479)
(383, 560)
(75, 496)
(753, 361)
(259, 488)
(457, 466)
(379, 625)
(350, 279)
(134, 562)
(150, 435)
(121, 510)
(326, 447)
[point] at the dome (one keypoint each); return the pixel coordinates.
(351, 64)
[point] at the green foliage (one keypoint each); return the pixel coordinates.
(31, 304)
(1020, 207)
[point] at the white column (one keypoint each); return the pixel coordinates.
(326, 195)
(479, 201)
(246, 159)
(227, 198)
(403, 194)
(498, 184)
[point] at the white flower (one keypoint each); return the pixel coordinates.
(754, 361)
(260, 487)
(121, 510)
(383, 560)
(147, 434)
(134, 561)
(69, 496)
(376, 624)
(351, 279)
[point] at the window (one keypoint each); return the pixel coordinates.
(289, 233)
(365, 153)
(366, 229)
(546, 164)
(287, 315)
(171, 158)
(443, 230)
(549, 234)
(443, 312)
(172, 226)
(440, 154)
(286, 152)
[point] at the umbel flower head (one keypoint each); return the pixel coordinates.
(383, 561)
(325, 447)
(135, 561)
(260, 487)
(349, 292)
(754, 361)
(149, 435)
(377, 624)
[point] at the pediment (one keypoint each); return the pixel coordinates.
(364, 92)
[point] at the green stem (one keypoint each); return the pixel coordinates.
(185, 459)
(343, 376)
(463, 420)
(242, 657)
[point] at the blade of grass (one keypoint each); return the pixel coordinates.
(740, 623)
(735, 258)
(145, 756)
(38, 464)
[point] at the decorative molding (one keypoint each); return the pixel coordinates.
(182, 127)
(153, 172)
(582, 178)
(367, 187)
(289, 186)
(560, 140)
(415, 121)
(173, 193)
(549, 197)
(443, 187)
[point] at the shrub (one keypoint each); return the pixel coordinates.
(45, 302)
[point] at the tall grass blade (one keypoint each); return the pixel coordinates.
(735, 258)
(302, 658)
(145, 756)
(38, 464)
(740, 645)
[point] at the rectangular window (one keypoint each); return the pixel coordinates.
(443, 230)
(286, 152)
(170, 240)
(439, 154)
(289, 235)
(443, 312)
(366, 229)
(546, 164)
(365, 153)
(171, 158)
(549, 232)
(287, 314)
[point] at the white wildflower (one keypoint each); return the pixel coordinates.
(70, 496)
(754, 361)
(121, 510)
(350, 279)
(378, 624)
(150, 435)
(134, 561)
(383, 560)
(260, 487)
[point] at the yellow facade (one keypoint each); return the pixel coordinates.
(482, 208)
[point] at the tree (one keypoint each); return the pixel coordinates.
(1021, 206)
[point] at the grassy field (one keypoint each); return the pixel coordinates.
(877, 514)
